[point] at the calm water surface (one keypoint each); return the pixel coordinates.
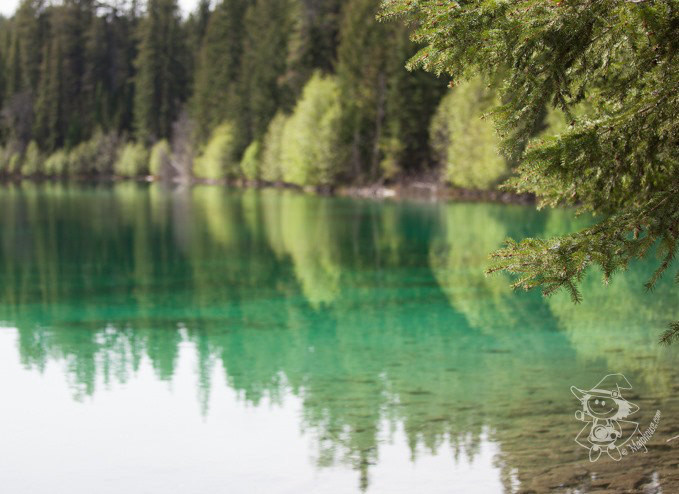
(206, 341)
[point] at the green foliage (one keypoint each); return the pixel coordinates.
(49, 124)
(272, 144)
(160, 82)
(250, 164)
(94, 156)
(219, 66)
(84, 71)
(56, 163)
(310, 151)
(595, 337)
(621, 159)
(14, 163)
(364, 85)
(80, 159)
(465, 143)
(385, 109)
(161, 154)
(561, 262)
(25, 47)
(313, 41)
(32, 162)
(105, 146)
(264, 63)
(390, 165)
(218, 159)
(133, 160)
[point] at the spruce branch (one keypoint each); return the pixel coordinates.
(560, 262)
(611, 68)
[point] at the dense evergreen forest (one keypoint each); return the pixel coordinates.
(307, 92)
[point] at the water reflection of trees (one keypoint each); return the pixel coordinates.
(621, 322)
(372, 313)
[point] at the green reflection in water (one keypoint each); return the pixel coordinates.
(370, 312)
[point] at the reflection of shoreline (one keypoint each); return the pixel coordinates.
(408, 188)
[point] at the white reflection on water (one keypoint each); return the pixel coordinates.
(149, 436)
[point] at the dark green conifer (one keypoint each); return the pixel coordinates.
(215, 96)
(160, 81)
(264, 63)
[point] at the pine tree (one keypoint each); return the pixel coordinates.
(412, 99)
(121, 56)
(28, 29)
(314, 38)
(160, 82)
(363, 85)
(3, 62)
(621, 160)
(382, 127)
(49, 105)
(217, 76)
(196, 26)
(60, 112)
(264, 62)
(14, 77)
(23, 65)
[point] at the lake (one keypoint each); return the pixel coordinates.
(208, 340)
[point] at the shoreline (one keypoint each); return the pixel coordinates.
(405, 189)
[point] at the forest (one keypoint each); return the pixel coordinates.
(305, 92)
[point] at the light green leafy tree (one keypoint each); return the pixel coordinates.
(250, 164)
(56, 163)
(218, 160)
(159, 162)
(32, 163)
(310, 152)
(271, 167)
(465, 143)
(133, 160)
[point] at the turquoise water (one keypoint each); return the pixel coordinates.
(204, 340)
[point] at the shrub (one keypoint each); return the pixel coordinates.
(32, 160)
(159, 162)
(218, 159)
(133, 160)
(271, 168)
(104, 147)
(9, 158)
(310, 141)
(465, 143)
(79, 159)
(250, 165)
(391, 149)
(56, 163)
(14, 163)
(94, 156)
